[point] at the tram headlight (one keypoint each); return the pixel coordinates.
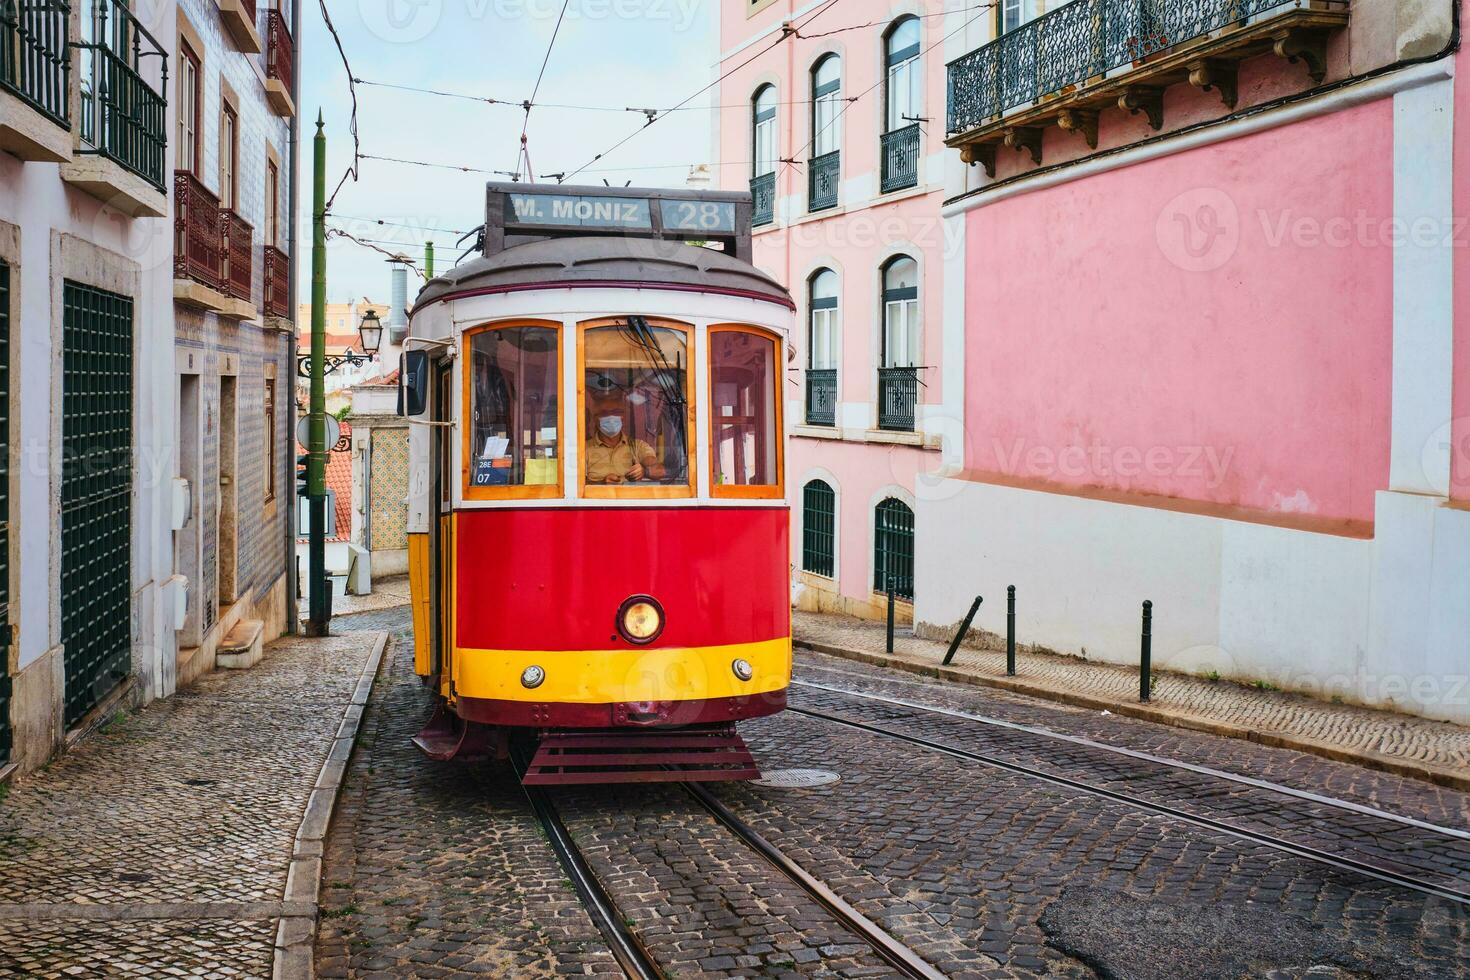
(640, 619)
(742, 669)
(532, 676)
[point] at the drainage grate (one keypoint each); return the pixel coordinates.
(797, 778)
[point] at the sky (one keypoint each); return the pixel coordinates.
(619, 53)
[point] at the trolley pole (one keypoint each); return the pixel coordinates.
(319, 614)
(428, 260)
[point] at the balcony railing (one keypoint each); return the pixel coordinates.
(824, 174)
(898, 395)
(249, 8)
(276, 279)
(821, 396)
(1087, 39)
(34, 61)
(763, 199)
(900, 152)
(237, 239)
(278, 48)
(199, 248)
(124, 73)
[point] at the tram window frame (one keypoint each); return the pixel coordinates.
(747, 491)
(637, 491)
(522, 491)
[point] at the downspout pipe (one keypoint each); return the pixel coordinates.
(293, 285)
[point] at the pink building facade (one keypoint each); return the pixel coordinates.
(1207, 342)
(839, 136)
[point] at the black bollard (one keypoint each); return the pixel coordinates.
(964, 628)
(890, 614)
(1146, 653)
(1011, 630)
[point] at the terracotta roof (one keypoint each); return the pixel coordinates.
(339, 481)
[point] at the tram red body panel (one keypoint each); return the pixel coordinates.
(553, 578)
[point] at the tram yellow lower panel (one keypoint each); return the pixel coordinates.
(606, 676)
(418, 590)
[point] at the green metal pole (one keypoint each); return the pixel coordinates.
(428, 260)
(319, 613)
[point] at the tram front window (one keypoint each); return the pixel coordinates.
(636, 412)
(513, 431)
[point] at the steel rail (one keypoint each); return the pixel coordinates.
(888, 949)
(1300, 794)
(1208, 823)
(621, 942)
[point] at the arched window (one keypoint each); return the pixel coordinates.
(903, 85)
(826, 105)
(763, 131)
(900, 312)
(818, 528)
(821, 365)
(893, 548)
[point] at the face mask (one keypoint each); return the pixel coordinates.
(610, 425)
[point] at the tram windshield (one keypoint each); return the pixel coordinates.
(636, 413)
(744, 427)
(513, 431)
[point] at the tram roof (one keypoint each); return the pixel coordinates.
(605, 261)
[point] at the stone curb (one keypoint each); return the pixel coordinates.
(1440, 776)
(296, 934)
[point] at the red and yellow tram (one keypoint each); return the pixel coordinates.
(598, 525)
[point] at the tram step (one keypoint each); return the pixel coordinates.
(640, 756)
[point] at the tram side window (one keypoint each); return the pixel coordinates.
(744, 424)
(514, 432)
(637, 405)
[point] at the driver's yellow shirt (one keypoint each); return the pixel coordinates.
(601, 461)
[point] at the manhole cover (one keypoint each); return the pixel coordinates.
(796, 778)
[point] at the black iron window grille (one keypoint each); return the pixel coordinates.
(900, 153)
(763, 155)
(893, 548)
(898, 398)
(5, 682)
(821, 373)
(96, 484)
(763, 199)
(34, 61)
(124, 73)
(825, 172)
(821, 396)
(1079, 41)
(818, 528)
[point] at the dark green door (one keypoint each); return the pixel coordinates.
(96, 485)
(5, 737)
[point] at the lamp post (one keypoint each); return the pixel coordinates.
(369, 334)
(319, 609)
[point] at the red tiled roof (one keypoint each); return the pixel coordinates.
(339, 481)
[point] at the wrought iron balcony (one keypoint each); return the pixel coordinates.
(823, 174)
(821, 396)
(278, 48)
(237, 239)
(763, 199)
(199, 247)
(34, 61)
(898, 398)
(276, 278)
(124, 72)
(1087, 55)
(899, 150)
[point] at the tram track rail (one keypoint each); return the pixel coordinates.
(629, 951)
(1351, 806)
(1304, 851)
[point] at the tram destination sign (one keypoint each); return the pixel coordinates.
(578, 211)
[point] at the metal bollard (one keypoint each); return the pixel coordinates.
(964, 628)
(1011, 630)
(890, 615)
(1146, 655)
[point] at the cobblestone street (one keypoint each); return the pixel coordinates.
(441, 869)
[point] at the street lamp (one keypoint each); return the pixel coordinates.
(369, 334)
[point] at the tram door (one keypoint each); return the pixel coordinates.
(442, 529)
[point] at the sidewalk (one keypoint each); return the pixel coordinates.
(387, 593)
(1403, 744)
(184, 840)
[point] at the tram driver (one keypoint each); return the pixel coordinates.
(612, 455)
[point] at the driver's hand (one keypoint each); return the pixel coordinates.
(636, 472)
(612, 478)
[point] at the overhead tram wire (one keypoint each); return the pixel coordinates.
(525, 153)
(368, 243)
(352, 91)
(788, 31)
